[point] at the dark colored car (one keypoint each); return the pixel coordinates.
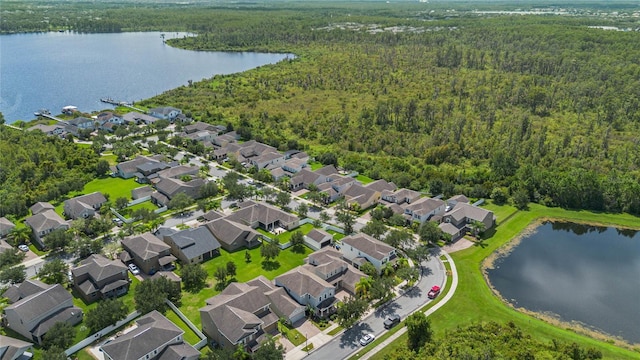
(435, 291)
(391, 321)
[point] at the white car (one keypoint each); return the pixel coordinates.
(366, 339)
(23, 247)
(134, 269)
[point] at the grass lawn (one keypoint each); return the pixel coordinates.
(114, 186)
(475, 302)
(143, 205)
(111, 158)
(284, 237)
(315, 165)
(189, 336)
(292, 335)
(287, 260)
(364, 179)
(501, 212)
(336, 235)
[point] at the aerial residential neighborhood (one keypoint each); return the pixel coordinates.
(288, 299)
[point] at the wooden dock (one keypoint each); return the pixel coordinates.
(122, 103)
(48, 116)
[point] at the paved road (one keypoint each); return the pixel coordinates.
(342, 346)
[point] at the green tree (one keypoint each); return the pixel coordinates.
(283, 199)
(11, 257)
(13, 275)
(520, 199)
(54, 272)
(369, 269)
(429, 232)
(152, 293)
(102, 168)
(247, 256)
(121, 202)
(231, 269)
(399, 238)
(54, 353)
(499, 196)
(375, 228)
(194, 277)
(297, 241)
(108, 312)
(58, 239)
(209, 189)
(60, 335)
(418, 330)
(221, 276)
(477, 227)
(180, 202)
(346, 218)
(303, 209)
(269, 250)
(269, 350)
(350, 311)
(20, 235)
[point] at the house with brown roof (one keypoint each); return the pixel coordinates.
(44, 223)
(424, 208)
(233, 235)
(14, 349)
(463, 215)
(148, 252)
(34, 315)
(154, 338)
(318, 238)
(328, 264)
(360, 248)
(84, 206)
(97, 277)
(246, 313)
(262, 215)
(309, 289)
(6, 226)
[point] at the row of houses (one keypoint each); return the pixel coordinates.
(246, 313)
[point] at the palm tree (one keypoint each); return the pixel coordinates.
(363, 287)
(477, 227)
(20, 235)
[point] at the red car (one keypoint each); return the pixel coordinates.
(435, 291)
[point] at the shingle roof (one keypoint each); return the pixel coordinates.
(146, 245)
(10, 347)
(40, 207)
(24, 289)
(425, 205)
(368, 245)
(462, 210)
(305, 176)
(99, 268)
(45, 220)
(4, 246)
(448, 228)
(302, 281)
(228, 231)
(179, 171)
(34, 306)
(179, 352)
(6, 225)
(136, 117)
(327, 170)
(318, 235)
(141, 192)
(132, 165)
(194, 242)
(382, 184)
(154, 331)
(263, 213)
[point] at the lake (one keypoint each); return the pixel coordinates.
(587, 274)
(53, 70)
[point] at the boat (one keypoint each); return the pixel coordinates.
(69, 109)
(42, 112)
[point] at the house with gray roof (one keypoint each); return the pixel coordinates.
(6, 226)
(170, 187)
(55, 129)
(360, 248)
(40, 207)
(247, 313)
(382, 185)
(82, 123)
(141, 192)
(424, 208)
(44, 223)
(463, 215)
(128, 169)
(200, 126)
(328, 264)
(154, 338)
(309, 289)
(265, 216)
(97, 277)
(177, 172)
(4, 246)
(318, 238)
(400, 196)
(137, 118)
(24, 289)
(192, 246)
(453, 231)
(34, 315)
(148, 252)
(109, 117)
(14, 349)
(360, 197)
(452, 201)
(232, 235)
(84, 206)
(166, 113)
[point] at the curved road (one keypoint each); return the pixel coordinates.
(343, 345)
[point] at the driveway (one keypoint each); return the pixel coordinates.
(342, 346)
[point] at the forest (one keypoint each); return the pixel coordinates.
(543, 108)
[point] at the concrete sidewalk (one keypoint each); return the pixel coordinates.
(317, 341)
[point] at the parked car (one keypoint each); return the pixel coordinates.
(23, 247)
(391, 321)
(435, 291)
(367, 339)
(134, 269)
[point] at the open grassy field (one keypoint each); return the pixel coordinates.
(114, 186)
(475, 302)
(287, 260)
(364, 179)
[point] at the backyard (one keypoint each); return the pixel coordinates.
(284, 237)
(287, 260)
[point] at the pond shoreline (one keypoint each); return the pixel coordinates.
(549, 317)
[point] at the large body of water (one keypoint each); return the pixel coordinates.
(53, 70)
(581, 273)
